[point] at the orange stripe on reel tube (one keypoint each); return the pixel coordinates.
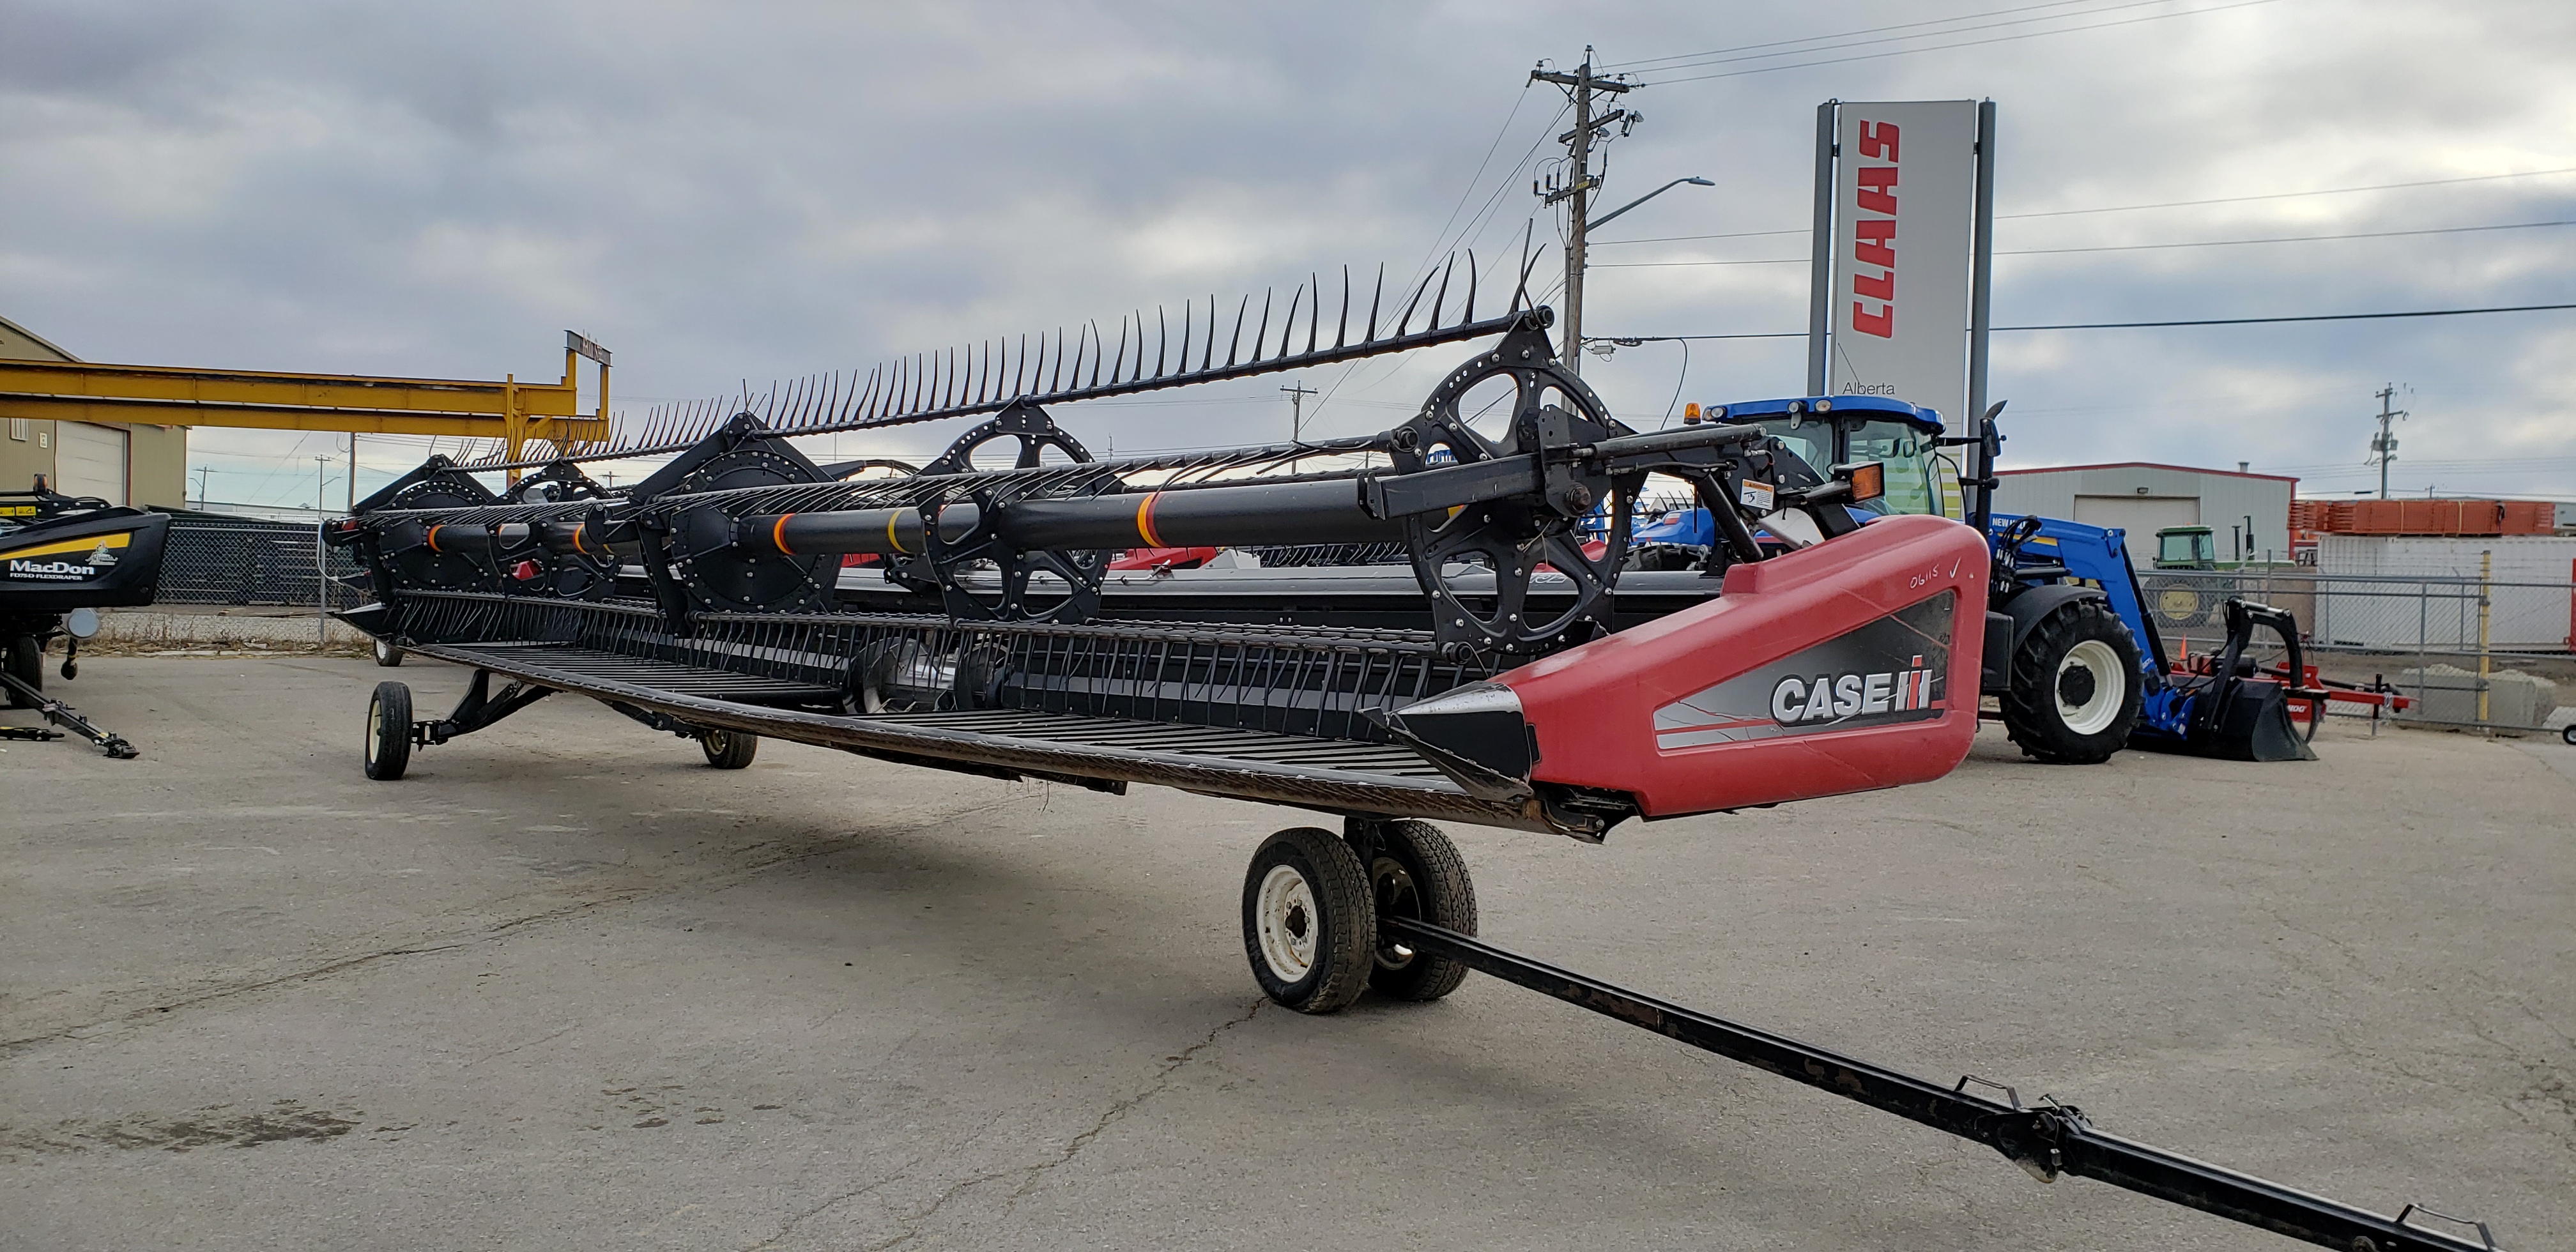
(1145, 520)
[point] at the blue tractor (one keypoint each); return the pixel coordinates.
(2071, 656)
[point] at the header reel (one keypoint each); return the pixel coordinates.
(1511, 491)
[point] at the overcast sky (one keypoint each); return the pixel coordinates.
(732, 193)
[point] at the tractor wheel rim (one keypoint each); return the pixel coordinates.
(2093, 715)
(1284, 918)
(375, 730)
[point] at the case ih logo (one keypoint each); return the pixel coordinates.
(1884, 672)
(1874, 238)
(1832, 698)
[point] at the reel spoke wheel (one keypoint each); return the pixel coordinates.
(1513, 401)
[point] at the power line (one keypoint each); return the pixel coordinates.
(2208, 321)
(2228, 243)
(2307, 317)
(2134, 247)
(1968, 43)
(2131, 208)
(2284, 195)
(1871, 30)
(1827, 46)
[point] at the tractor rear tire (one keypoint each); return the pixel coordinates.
(26, 661)
(2075, 686)
(728, 749)
(1309, 920)
(389, 732)
(1419, 874)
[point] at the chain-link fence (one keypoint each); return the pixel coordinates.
(239, 561)
(2463, 650)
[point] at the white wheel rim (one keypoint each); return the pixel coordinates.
(1284, 916)
(375, 730)
(2110, 686)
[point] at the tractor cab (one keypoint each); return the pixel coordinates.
(2186, 547)
(1840, 430)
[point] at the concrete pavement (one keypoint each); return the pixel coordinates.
(566, 987)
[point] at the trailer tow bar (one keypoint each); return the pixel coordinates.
(2048, 1140)
(61, 714)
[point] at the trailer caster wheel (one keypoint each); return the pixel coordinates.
(1309, 920)
(389, 732)
(1420, 875)
(728, 749)
(387, 655)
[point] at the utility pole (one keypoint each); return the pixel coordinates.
(1297, 393)
(1581, 183)
(321, 559)
(2384, 448)
(353, 472)
(201, 486)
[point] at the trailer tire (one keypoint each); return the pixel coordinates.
(389, 732)
(2059, 708)
(1309, 920)
(1419, 874)
(26, 661)
(728, 749)
(387, 655)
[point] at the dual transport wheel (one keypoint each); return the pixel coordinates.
(1311, 909)
(2075, 686)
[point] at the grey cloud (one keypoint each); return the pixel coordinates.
(726, 193)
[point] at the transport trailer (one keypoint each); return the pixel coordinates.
(1525, 691)
(63, 558)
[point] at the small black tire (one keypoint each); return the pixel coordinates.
(389, 732)
(2567, 736)
(2063, 706)
(26, 661)
(1309, 920)
(1418, 874)
(387, 655)
(728, 749)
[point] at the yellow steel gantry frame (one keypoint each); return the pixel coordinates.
(511, 411)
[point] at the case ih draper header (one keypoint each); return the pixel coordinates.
(1533, 687)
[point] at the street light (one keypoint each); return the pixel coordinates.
(1604, 219)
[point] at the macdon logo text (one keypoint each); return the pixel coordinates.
(1827, 698)
(51, 569)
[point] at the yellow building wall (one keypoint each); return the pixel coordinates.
(156, 468)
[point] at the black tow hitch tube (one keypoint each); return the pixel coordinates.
(61, 714)
(2048, 1140)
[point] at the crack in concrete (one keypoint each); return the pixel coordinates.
(843, 1198)
(721, 879)
(1032, 1174)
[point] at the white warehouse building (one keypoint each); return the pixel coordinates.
(2248, 515)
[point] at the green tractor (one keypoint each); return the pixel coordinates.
(2178, 602)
